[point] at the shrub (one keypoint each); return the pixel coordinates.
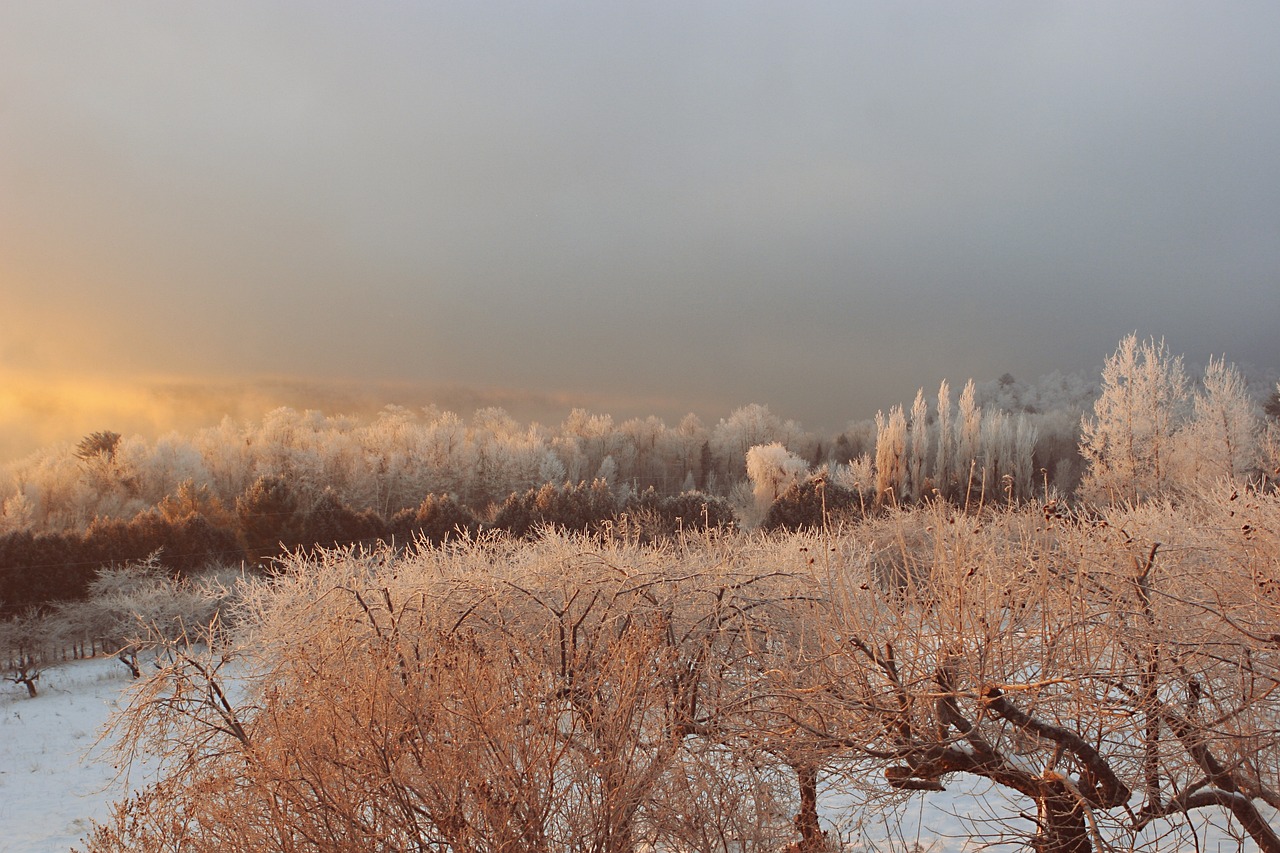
(811, 505)
(655, 518)
(579, 508)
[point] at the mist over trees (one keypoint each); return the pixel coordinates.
(249, 491)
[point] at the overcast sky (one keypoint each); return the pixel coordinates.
(642, 207)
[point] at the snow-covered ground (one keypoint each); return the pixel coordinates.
(51, 786)
(53, 781)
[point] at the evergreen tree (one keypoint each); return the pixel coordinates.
(269, 517)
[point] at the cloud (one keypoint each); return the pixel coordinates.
(815, 206)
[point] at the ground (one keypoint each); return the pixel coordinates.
(52, 781)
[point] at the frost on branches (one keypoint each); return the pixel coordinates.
(1113, 676)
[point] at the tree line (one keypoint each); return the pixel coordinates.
(192, 530)
(301, 479)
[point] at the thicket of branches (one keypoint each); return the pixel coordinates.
(1112, 674)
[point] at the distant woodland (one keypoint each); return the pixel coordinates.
(252, 491)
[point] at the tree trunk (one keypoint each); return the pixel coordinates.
(30, 682)
(1061, 824)
(812, 838)
(130, 659)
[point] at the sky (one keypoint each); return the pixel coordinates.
(637, 207)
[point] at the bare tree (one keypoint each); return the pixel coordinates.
(550, 696)
(1076, 666)
(26, 648)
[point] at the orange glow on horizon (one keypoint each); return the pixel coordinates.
(39, 411)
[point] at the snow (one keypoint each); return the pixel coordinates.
(52, 781)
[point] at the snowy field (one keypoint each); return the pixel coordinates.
(51, 782)
(54, 781)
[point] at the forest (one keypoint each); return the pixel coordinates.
(250, 492)
(425, 633)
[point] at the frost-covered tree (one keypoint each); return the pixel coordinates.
(1026, 436)
(891, 451)
(917, 448)
(1222, 439)
(26, 648)
(109, 489)
(745, 428)
(1106, 685)
(607, 473)
(644, 461)
(133, 606)
(508, 457)
(18, 512)
(228, 454)
(1269, 451)
(592, 437)
(968, 429)
(1128, 443)
(772, 469)
(859, 477)
(996, 454)
(449, 456)
(156, 469)
(270, 516)
(946, 441)
(751, 425)
(689, 437)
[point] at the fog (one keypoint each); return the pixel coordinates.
(638, 208)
